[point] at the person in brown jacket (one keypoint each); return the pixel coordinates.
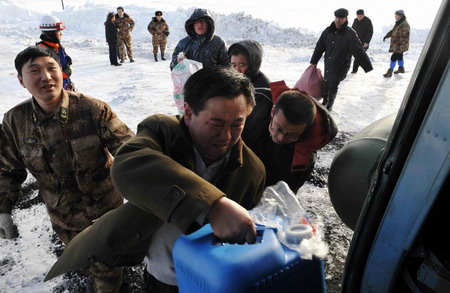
(399, 43)
(66, 141)
(178, 174)
(159, 29)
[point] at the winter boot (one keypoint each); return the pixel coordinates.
(401, 69)
(162, 55)
(325, 101)
(330, 103)
(156, 57)
(388, 73)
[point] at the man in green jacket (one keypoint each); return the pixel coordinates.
(178, 174)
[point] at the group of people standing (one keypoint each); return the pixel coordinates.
(118, 28)
(177, 172)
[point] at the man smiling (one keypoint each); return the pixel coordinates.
(65, 140)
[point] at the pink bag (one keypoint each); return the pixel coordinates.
(311, 82)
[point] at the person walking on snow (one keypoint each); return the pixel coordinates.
(51, 36)
(125, 24)
(339, 42)
(399, 43)
(159, 29)
(364, 28)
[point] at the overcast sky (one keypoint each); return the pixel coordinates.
(314, 15)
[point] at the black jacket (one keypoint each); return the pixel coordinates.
(364, 29)
(339, 45)
(256, 123)
(110, 32)
(209, 49)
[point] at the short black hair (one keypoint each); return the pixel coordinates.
(216, 81)
(110, 15)
(298, 107)
(120, 7)
(237, 49)
(31, 53)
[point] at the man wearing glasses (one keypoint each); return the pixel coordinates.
(297, 128)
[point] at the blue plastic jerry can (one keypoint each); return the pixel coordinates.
(204, 264)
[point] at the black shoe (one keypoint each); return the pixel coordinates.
(162, 58)
(354, 71)
(121, 61)
(118, 64)
(401, 69)
(131, 60)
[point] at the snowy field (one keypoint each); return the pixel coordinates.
(143, 88)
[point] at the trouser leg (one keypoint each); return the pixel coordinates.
(152, 285)
(112, 53)
(129, 50)
(120, 44)
(332, 83)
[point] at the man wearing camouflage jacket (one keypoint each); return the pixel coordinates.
(159, 29)
(125, 25)
(65, 140)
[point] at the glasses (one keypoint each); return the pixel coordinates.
(278, 130)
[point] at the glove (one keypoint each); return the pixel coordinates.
(7, 228)
(166, 33)
(384, 39)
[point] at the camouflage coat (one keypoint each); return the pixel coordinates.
(158, 29)
(69, 154)
(399, 36)
(125, 25)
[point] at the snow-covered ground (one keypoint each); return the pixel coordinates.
(136, 90)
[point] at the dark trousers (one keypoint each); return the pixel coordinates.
(397, 57)
(355, 63)
(331, 83)
(152, 285)
(113, 53)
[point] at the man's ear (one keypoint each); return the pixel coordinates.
(20, 78)
(187, 114)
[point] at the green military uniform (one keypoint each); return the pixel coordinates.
(68, 153)
(155, 172)
(125, 26)
(159, 31)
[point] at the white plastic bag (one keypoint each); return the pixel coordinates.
(279, 208)
(180, 74)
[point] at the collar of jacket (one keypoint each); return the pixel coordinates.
(62, 113)
(156, 20)
(55, 46)
(398, 22)
(316, 136)
(124, 16)
(181, 150)
(332, 28)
